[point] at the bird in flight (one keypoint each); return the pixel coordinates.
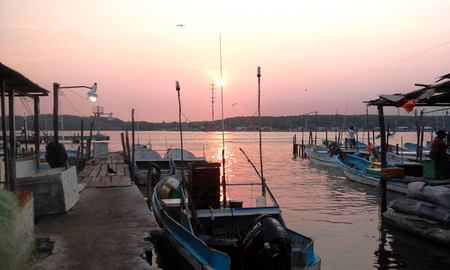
(234, 104)
(180, 25)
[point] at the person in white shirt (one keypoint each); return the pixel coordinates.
(351, 135)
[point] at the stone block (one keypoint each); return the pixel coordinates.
(55, 191)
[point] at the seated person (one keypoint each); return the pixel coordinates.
(438, 152)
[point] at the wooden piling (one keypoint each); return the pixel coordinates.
(383, 180)
(149, 185)
(295, 149)
(125, 153)
(133, 156)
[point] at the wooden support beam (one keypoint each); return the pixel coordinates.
(4, 135)
(12, 142)
(37, 128)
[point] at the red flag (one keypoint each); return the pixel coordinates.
(409, 106)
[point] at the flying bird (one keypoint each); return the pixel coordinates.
(110, 170)
(443, 77)
(180, 25)
(234, 104)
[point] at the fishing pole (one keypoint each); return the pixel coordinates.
(256, 170)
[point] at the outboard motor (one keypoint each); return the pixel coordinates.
(266, 245)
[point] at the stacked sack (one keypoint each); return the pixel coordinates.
(425, 211)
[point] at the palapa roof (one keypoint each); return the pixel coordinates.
(437, 95)
(22, 86)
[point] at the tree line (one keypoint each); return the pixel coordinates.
(279, 123)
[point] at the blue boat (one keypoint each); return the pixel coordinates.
(413, 148)
(363, 171)
(210, 236)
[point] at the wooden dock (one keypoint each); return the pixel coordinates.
(95, 174)
(108, 228)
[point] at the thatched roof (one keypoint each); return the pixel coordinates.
(437, 95)
(21, 85)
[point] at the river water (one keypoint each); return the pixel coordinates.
(340, 215)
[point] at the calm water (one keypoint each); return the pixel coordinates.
(341, 216)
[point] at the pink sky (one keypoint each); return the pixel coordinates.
(342, 52)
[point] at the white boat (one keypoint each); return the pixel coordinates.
(169, 164)
(322, 156)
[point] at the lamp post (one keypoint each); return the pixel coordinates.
(92, 95)
(58, 156)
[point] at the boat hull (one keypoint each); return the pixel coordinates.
(195, 251)
(368, 179)
(187, 244)
(321, 157)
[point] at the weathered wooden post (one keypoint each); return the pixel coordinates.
(81, 139)
(5, 135)
(383, 180)
(295, 145)
(37, 135)
(421, 145)
(128, 151)
(373, 135)
(125, 154)
(90, 140)
(132, 147)
(149, 185)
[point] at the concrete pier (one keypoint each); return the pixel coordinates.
(108, 228)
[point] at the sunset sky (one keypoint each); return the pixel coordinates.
(323, 56)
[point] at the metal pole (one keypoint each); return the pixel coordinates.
(224, 187)
(260, 144)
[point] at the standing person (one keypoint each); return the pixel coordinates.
(351, 135)
(438, 152)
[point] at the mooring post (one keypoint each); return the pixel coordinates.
(383, 180)
(295, 145)
(132, 147)
(125, 153)
(149, 185)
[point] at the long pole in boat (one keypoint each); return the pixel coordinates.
(224, 185)
(181, 131)
(260, 144)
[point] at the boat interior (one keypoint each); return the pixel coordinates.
(225, 229)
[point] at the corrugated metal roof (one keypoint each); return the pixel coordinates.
(22, 85)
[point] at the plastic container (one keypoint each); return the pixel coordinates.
(174, 194)
(168, 186)
(260, 201)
